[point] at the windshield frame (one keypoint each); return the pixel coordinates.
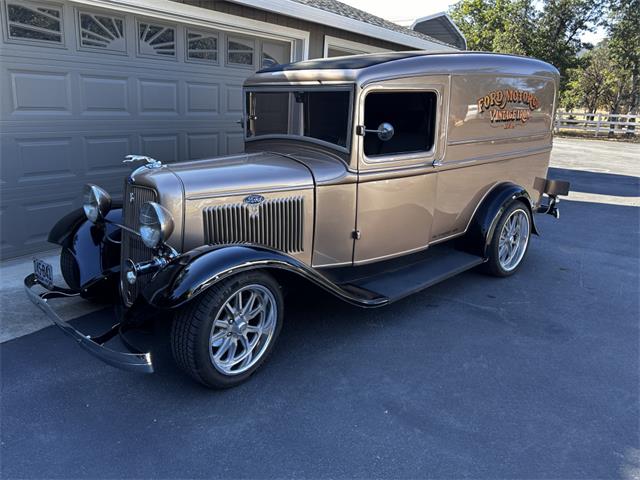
(350, 87)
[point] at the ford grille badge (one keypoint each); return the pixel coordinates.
(253, 203)
(253, 199)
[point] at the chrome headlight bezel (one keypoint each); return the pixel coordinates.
(156, 224)
(96, 203)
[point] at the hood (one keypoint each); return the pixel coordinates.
(241, 174)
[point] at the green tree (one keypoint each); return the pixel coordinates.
(593, 83)
(623, 25)
(559, 26)
(485, 23)
(547, 29)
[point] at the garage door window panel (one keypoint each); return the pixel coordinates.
(413, 117)
(33, 22)
(202, 47)
(156, 40)
(274, 53)
(102, 32)
(240, 52)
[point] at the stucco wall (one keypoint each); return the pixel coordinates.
(317, 32)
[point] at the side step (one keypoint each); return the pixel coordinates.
(396, 279)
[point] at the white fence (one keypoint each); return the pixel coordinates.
(598, 123)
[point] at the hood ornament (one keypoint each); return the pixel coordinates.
(150, 162)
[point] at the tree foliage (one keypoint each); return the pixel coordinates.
(592, 84)
(623, 26)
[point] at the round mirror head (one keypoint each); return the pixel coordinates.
(385, 131)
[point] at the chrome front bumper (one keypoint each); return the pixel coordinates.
(133, 361)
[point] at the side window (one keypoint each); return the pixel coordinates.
(412, 115)
(34, 22)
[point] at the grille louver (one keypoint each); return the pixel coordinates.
(275, 223)
(132, 246)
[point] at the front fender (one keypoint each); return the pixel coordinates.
(482, 227)
(190, 274)
(95, 249)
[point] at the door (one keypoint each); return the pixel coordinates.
(397, 180)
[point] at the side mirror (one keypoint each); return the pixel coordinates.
(385, 131)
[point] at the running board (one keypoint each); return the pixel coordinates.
(394, 280)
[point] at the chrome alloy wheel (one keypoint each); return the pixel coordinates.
(242, 329)
(514, 239)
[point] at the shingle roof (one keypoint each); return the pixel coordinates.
(348, 11)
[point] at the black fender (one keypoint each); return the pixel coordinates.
(190, 274)
(95, 249)
(66, 227)
(483, 224)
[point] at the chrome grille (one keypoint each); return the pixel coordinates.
(276, 223)
(132, 247)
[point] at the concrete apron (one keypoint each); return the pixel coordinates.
(18, 316)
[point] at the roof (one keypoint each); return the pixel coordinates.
(351, 62)
(348, 11)
(344, 17)
(363, 69)
(441, 27)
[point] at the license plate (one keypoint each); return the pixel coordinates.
(44, 272)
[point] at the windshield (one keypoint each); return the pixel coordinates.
(321, 115)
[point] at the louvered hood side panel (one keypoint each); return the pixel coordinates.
(283, 221)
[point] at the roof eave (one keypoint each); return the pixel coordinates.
(317, 15)
(448, 18)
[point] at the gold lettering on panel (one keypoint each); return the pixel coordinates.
(508, 107)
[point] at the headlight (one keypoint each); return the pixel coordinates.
(156, 224)
(97, 202)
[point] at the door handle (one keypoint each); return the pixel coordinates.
(438, 163)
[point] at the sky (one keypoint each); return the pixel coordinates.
(405, 12)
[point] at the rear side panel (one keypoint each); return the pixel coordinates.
(499, 130)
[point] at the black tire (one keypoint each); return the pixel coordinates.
(493, 266)
(192, 327)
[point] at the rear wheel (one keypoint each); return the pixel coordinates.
(510, 241)
(223, 336)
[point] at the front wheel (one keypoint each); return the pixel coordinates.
(510, 241)
(224, 335)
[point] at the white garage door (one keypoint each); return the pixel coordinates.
(81, 88)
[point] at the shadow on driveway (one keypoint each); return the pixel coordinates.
(599, 183)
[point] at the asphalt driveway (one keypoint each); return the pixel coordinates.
(532, 376)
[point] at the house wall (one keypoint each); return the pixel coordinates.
(317, 31)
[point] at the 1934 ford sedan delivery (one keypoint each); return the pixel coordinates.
(370, 176)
